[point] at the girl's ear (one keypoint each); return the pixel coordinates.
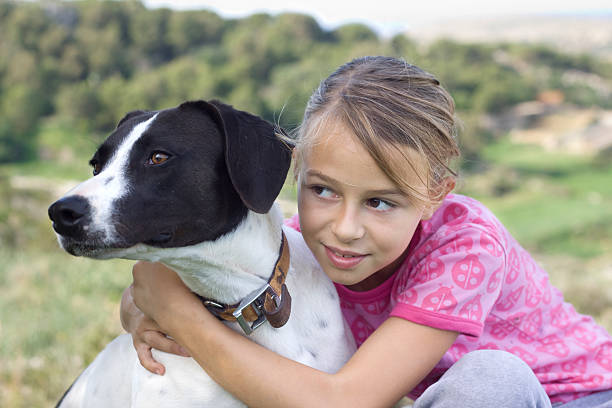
(447, 185)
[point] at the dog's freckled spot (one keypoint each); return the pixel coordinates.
(162, 392)
(323, 324)
(333, 294)
(108, 180)
(312, 353)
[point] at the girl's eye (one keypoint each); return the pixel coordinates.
(323, 192)
(379, 205)
(158, 158)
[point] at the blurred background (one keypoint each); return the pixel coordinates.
(532, 84)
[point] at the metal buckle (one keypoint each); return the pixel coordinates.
(256, 299)
(210, 304)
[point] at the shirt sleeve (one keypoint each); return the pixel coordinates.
(451, 282)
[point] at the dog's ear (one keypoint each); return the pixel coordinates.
(130, 115)
(257, 159)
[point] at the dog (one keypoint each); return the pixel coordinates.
(194, 187)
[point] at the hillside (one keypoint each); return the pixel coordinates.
(82, 65)
(570, 33)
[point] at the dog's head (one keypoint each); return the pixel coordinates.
(173, 178)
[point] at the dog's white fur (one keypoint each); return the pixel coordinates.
(226, 270)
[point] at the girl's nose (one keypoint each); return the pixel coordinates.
(347, 225)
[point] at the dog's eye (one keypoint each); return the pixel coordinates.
(158, 158)
(97, 167)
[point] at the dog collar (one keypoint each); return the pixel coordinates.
(271, 302)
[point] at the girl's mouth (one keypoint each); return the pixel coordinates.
(343, 259)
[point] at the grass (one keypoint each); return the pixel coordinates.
(56, 313)
(551, 202)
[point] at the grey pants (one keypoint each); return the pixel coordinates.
(491, 378)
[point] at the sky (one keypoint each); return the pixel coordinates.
(392, 16)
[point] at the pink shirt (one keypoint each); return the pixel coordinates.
(464, 272)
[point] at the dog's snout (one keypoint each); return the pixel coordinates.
(69, 214)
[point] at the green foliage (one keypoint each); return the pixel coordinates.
(403, 46)
(476, 81)
(190, 30)
(547, 56)
(19, 112)
(89, 62)
(352, 33)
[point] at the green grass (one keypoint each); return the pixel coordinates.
(551, 202)
(64, 151)
(533, 159)
(56, 313)
(51, 170)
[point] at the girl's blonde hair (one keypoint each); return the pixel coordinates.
(388, 105)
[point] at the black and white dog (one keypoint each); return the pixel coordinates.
(194, 187)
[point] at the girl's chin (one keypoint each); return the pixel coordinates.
(343, 276)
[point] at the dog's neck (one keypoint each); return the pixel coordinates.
(232, 266)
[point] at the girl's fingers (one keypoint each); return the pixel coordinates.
(159, 341)
(146, 359)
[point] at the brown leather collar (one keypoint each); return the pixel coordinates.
(271, 302)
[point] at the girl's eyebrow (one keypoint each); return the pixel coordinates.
(333, 181)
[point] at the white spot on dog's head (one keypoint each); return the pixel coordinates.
(110, 184)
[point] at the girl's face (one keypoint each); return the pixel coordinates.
(355, 220)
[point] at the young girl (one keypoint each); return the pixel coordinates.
(446, 306)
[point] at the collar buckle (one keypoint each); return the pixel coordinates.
(255, 300)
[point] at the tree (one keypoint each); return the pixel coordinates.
(26, 25)
(20, 110)
(351, 33)
(149, 34)
(190, 30)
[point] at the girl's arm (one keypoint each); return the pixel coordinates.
(394, 359)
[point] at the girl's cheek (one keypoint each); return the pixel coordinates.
(310, 218)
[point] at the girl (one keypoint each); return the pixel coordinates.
(445, 305)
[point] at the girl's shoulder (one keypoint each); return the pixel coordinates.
(459, 227)
(459, 213)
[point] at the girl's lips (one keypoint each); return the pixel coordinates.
(343, 259)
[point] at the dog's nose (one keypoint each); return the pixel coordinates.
(69, 214)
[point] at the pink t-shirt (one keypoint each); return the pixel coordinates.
(464, 272)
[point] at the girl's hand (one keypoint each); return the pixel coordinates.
(146, 334)
(161, 295)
